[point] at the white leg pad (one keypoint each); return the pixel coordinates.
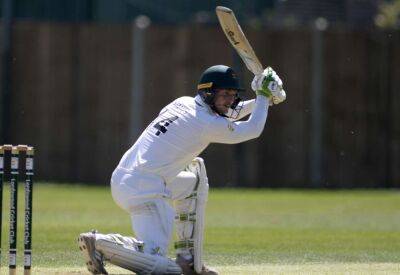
(190, 215)
(130, 258)
(202, 195)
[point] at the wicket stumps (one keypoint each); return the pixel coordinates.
(17, 153)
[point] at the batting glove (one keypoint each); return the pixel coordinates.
(269, 85)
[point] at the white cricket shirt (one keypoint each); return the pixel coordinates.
(183, 129)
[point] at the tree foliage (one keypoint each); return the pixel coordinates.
(388, 16)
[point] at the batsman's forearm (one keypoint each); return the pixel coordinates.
(245, 130)
(258, 116)
(247, 108)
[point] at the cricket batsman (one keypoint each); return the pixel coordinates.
(161, 180)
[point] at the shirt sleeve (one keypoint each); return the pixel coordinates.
(221, 130)
(247, 108)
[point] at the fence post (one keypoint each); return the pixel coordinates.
(317, 96)
(140, 25)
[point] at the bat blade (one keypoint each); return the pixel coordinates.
(235, 35)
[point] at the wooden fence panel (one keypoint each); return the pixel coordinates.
(71, 90)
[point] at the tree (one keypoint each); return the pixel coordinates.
(388, 16)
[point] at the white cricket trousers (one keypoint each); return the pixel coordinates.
(148, 201)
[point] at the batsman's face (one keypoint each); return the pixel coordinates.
(224, 99)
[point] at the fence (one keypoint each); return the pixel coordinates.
(71, 100)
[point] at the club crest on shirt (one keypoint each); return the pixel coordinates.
(230, 127)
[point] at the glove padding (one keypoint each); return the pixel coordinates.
(269, 85)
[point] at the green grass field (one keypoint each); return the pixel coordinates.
(248, 231)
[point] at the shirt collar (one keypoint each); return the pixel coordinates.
(199, 102)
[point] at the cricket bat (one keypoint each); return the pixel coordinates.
(235, 35)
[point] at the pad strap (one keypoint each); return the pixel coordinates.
(189, 244)
(186, 217)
